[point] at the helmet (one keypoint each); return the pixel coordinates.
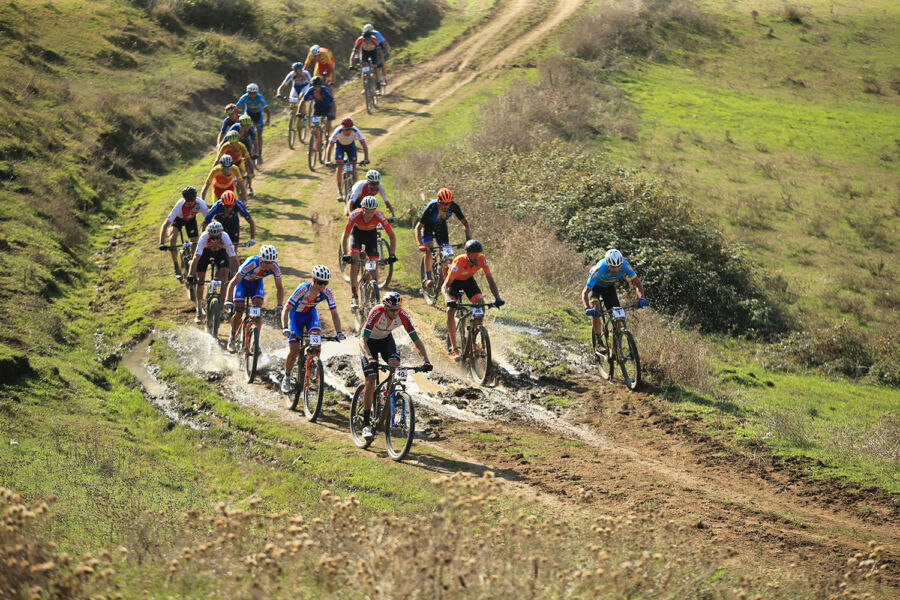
(392, 300)
(373, 176)
(474, 246)
(226, 161)
(321, 272)
(297, 66)
(368, 27)
(252, 88)
(246, 120)
(315, 49)
(318, 80)
(346, 122)
(228, 198)
(369, 202)
(215, 228)
(445, 195)
(368, 35)
(268, 253)
(189, 193)
(232, 136)
(230, 107)
(613, 258)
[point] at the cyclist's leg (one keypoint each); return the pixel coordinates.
(258, 123)
(475, 297)
(297, 322)
(454, 295)
(355, 247)
(369, 373)
(428, 242)
(175, 227)
(339, 151)
(315, 328)
(372, 251)
(205, 258)
(297, 91)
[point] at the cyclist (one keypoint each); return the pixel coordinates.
(231, 117)
(323, 58)
(323, 102)
(227, 211)
(248, 283)
(214, 246)
(223, 178)
(247, 134)
(299, 79)
(343, 140)
(377, 340)
(255, 105)
(239, 153)
(601, 284)
(432, 226)
(369, 186)
(367, 49)
(301, 313)
(361, 229)
(461, 278)
(383, 45)
(184, 214)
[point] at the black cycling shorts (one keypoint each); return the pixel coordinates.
(607, 293)
(437, 232)
(190, 226)
(369, 239)
(385, 348)
(216, 257)
(371, 56)
(469, 286)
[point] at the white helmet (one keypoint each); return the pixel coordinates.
(369, 202)
(252, 88)
(368, 27)
(268, 253)
(215, 228)
(373, 176)
(226, 161)
(232, 136)
(321, 272)
(315, 49)
(613, 258)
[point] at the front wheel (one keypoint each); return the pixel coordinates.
(292, 132)
(251, 352)
(480, 355)
(294, 399)
(371, 297)
(629, 361)
(185, 269)
(601, 353)
(312, 154)
(314, 389)
(212, 317)
(356, 418)
(370, 94)
(387, 269)
(429, 290)
(302, 128)
(400, 426)
(344, 267)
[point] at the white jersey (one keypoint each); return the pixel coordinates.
(364, 188)
(180, 211)
(345, 137)
(299, 84)
(204, 243)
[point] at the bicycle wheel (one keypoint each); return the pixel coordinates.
(372, 296)
(345, 271)
(356, 418)
(429, 291)
(400, 426)
(629, 361)
(480, 355)
(292, 133)
(314, 390)
(292, 400)
(185, 269)
(251, 352)
(346, 185)
(601, 353)
(387, 269)
(303, 129)
(312, 154)
(367, 85)
(212, 317)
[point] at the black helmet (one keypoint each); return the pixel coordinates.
(189, 193)
(318, 80)
(474, 246)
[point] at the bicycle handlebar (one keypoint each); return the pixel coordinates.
(386, 368)
(180, 246)
(609, 311)
(461, 305)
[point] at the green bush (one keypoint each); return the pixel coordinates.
(225, 15)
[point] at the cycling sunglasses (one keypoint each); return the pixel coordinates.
(320, 282)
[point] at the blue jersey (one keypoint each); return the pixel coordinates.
(300, 300)
(430, 215)
(231, 224)
(252, 269)
(226, 125)
(252, 105)
(602, 276)
(378, 37)
(251, 133)
(323, 104)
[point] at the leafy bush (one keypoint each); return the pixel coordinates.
(225, 15)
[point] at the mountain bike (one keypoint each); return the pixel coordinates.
(317, 142)
(369, 293)
(476, 344)
(298, 125)
(441, 257)
(249, 350)
(213, 302)
(392, 411)
(384, 251)
(370, 85)
(186, 255)
(308, 376)
(610, 349)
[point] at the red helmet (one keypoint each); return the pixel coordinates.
(230, 107)
(445, 195)
(228, 197)
(347, 122)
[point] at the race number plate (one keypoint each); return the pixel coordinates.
(477, 312)
(316, 119)
(214, 285)
(400, 375)
(366, 69)
(371, 264)
(447, 250)
(315, 340)
(619, 313)
(255, 311)
(348, 168)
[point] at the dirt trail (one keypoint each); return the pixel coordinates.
(647, 461)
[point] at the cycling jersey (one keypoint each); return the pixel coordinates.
(301, 302)
(356, 221)
(378, 37)
(251, 105)
(430, 215)
(461, 269)
(299, 81)
(252, 269)
(237, 151)
(324, 63)
(379, 326)
(364, 188)
(227, 123)
(223, 243)
(602, 276)
(231, 223)
(249, 136)
(180, 211)
(345, 137)
(364, 43)
(322, 101)
(224, 179)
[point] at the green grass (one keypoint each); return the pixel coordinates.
(461, 16)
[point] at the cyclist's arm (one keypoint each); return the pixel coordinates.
(393, 238)
(232, 261)
(336, 319)
(205, 189)
(586, 297)
(493, 284)
(192, 270)
(638, 286)
(279, 291)
(420, 227)
(242, 189)
(268, 114)
(344, 238)
(238, 276)
(365, 148)
(252, 228)
(465, 225)
(364, 347)
(162, 231)
(422, 352)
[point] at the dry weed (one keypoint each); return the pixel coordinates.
(674, 356)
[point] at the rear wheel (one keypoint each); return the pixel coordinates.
(292, 133)
(400, 426)
(303, 127)
(601, 352)
(251, 352)
(480, 355)
(387, 268)
(431, 290)
(314, 389)
(312, 154)
(356, 418)
(212, 317)
(367, 88)
(629, 361)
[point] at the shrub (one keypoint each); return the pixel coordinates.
(225, 15)
(794, 14)
(671, 354)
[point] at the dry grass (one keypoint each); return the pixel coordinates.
(673, 355)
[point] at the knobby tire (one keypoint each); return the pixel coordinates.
(604, 364)
(212, 318)
(312, 154)
(400, 428)
(294, 399)
(314, 392)
(356, 418)
(480, 361)
(252, 352)
(292, 133)
(629, 360)
(387, 269)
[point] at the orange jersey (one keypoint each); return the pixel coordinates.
(237, 151)
(462, 269)
(324, 61)
(221, 178)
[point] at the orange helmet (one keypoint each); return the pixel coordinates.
(445, 195)
(228, 197)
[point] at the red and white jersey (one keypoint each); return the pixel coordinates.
(364, 188)
(224, 243)
(356, 220)
(345, 137)
(379, 326)
(180, 211)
